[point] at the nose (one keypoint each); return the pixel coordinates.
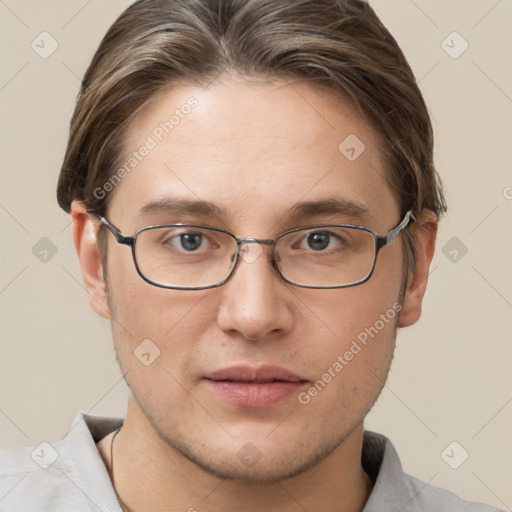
(255, 301)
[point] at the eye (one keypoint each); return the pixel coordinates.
(189, 241)
(320, 240)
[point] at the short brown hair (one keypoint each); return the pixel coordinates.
(340, 44)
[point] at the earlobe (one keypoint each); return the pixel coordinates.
(84, 238)
(424, 233)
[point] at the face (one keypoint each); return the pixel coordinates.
(254, 150)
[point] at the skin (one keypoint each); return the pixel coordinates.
(255, 149)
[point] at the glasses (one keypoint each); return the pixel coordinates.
(195, 257)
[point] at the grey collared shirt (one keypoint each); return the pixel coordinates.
(70, 476)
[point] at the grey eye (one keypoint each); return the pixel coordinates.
(318, 240)
(190, 241)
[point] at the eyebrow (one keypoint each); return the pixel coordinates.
(184, 206)
(333, 205)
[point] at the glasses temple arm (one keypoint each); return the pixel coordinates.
(393, 233)
(122, 239)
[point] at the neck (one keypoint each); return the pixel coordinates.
(150, 475)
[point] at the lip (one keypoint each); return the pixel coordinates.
(251, 387)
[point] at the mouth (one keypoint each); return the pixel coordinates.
(250, 387)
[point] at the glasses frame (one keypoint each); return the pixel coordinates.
(380, 242)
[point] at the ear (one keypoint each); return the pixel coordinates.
(84, 238)
(424, 232)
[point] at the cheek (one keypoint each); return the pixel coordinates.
(146, 319)
(352, 359)
(143, 310)
(351, 369)
(361, 330)
(348, 313)
(155, 332)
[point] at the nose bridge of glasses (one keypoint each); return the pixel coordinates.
(250, 256)
(251, 240)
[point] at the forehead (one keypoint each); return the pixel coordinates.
(254, 149)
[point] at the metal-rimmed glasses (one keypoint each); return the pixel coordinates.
(197, 257)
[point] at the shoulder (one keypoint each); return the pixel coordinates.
(28, 480)
(62, 476)
(425, 497)
(396, 490)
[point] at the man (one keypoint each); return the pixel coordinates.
(255, 209)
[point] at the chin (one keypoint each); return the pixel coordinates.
(259, 462)
(258, 470)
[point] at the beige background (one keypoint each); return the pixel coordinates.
(451, 375)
